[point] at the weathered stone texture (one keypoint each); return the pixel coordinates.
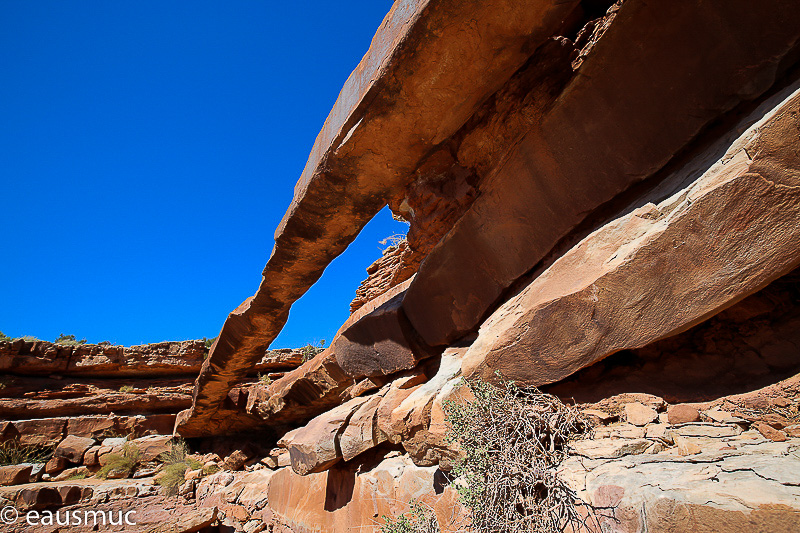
(626, 114)
(661, 269)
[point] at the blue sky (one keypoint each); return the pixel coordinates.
(149, 149)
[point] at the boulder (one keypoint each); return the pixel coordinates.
(55, 465)
(769, 432)
(15, 474)
(361, 432)
(315, 447)
(236, 459)
(91, 457)
(682, 414)
(381, 342)
(639, 414)
(618, 288)
(72, 448)
(151, 446)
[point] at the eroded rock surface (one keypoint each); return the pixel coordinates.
(653, 273)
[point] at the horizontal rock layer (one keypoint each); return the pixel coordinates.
(101, 360)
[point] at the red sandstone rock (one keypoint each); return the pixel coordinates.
(315, 447)
(236, 460)
(615, 288)
(55, 465)
(639, 415)
(151, 446)
(319, 384)
(682, 414)
(379, 343)
(769, 432)
(15, 474)
(45, 358)
(588, 148)
(72, 448)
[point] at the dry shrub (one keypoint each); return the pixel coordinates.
(12, 452)
(123, 463)
(176, 463)
(512, 441)
(419, 519)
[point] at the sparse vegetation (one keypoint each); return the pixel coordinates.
(211, 469)
(391, 242)
(512, 441)
(4, 337)
(209, 342)
(126, 388)
(77, 475)
(69, 340)
(176, 463)
(28, 338)
(419, 519)
(264, 379)
(121, 463)
(12, 452)
(310, 350)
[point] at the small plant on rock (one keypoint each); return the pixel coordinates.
(310, 350)
(176, 463)
(208, 342)
(69, 340)
(121, 464)
(12, 452)
(264, 379)
(4, 337)
(419, 519)
(126, 388)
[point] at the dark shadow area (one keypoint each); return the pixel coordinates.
(751, 345)
(440, 481)
(339, 489)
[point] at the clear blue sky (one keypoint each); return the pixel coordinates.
(149, 149)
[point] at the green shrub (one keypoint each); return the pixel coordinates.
(176, 463)
(211, 469)
(29, 338)
(124, 462)
(310, 350)
(14, 453)
(126, 388)
(69, 340)
(209, 342)
(264, 379)
(4, 337)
